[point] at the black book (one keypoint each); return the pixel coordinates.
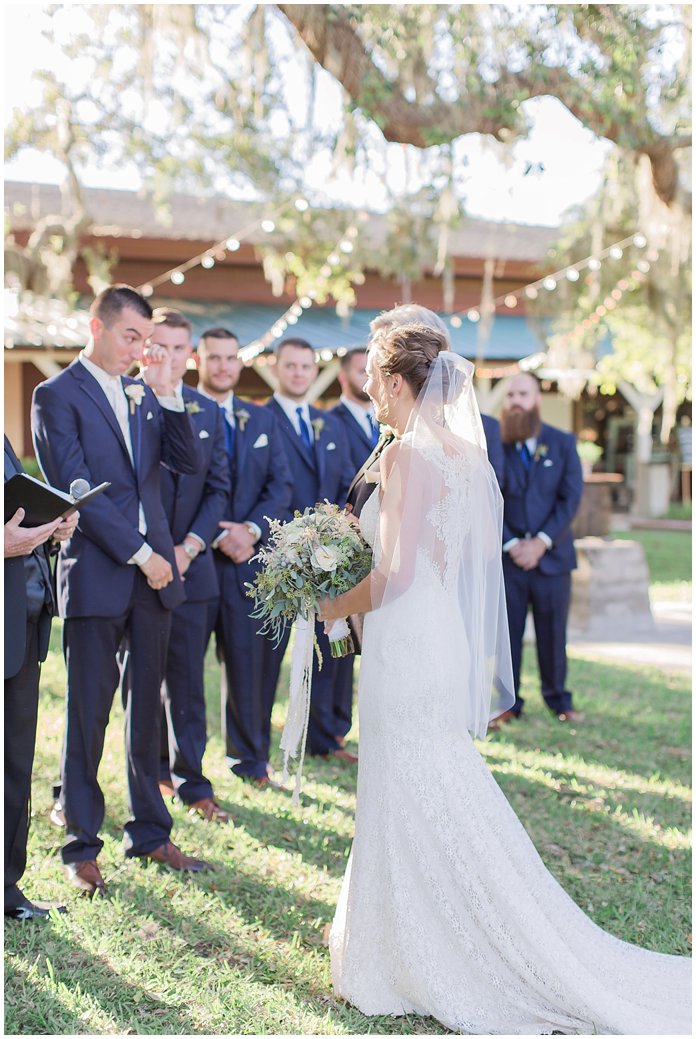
(40, 502)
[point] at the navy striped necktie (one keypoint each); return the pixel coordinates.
(229, 431)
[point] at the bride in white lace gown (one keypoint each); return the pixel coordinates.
(446, 908)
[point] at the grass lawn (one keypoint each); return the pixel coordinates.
(241, 950)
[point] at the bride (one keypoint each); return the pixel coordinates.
(446, 908)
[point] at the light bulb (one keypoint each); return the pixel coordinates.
(456, 321)
(207, 262)
(232, 244)
(473, 315)
(572, 274)
(177, 278)
(267, 226)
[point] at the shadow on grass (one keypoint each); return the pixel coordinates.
(316, 845)
(32, 1009)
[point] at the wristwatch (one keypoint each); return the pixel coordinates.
(190, 550)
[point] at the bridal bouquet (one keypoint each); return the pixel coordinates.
(317, 555)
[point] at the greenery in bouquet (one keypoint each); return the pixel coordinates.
(319, 554)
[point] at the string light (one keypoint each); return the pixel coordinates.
(550, 281)
(252, 351)
(231, 244)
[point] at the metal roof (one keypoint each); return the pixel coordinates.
(129, 214)
(512, 336)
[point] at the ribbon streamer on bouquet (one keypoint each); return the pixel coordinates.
(294, 738)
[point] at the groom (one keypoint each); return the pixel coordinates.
(117, 577)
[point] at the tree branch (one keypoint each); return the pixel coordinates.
(328, 32)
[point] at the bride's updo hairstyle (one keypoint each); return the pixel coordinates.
(408, 351)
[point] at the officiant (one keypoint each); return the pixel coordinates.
(29, 606)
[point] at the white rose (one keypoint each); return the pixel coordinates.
(324, 558)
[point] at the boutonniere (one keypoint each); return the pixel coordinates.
(193, 407)
(241, 417)
(135, 392)
(317, 425)
(541, 452)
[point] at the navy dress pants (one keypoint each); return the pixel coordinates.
(549, 597)
(241, 651)
(327, 717)
(91, 645)
(20, 713)
(184, 733)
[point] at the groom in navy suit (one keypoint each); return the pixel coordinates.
(542, 490)
(194, 504)
(260, 488)
(320, 467)
(356, 415)
(117, 576)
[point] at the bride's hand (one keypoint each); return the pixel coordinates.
(328, 612)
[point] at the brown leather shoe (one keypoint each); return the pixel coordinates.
(169, 855)
(571, 716)
(86, 876)
(209, 809)
(166, 789)
(344, 755)
(502, 719)
(264, 782)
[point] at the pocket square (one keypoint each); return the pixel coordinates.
(204, 434)
(547, 462)
(149, 415)
(261, 440)
(331, 446)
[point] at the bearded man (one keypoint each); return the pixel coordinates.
(542, 488)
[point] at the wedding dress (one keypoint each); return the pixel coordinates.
(446, 908)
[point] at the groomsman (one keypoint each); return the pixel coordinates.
(355, 407)
(260, 488)
(320, 467)
(356, 414)
(117, 577)
(542, 491)
(194, 505)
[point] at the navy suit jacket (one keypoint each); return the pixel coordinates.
(77, 435)
(322, 471)
(360, 446)
(196, 502)
(262, 486)
(545, 498)
(494, 443)
(261, 482)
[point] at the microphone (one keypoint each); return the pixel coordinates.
(78, 489)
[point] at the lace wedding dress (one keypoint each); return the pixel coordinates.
(446, 908)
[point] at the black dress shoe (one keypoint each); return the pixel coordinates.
(34, 911)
